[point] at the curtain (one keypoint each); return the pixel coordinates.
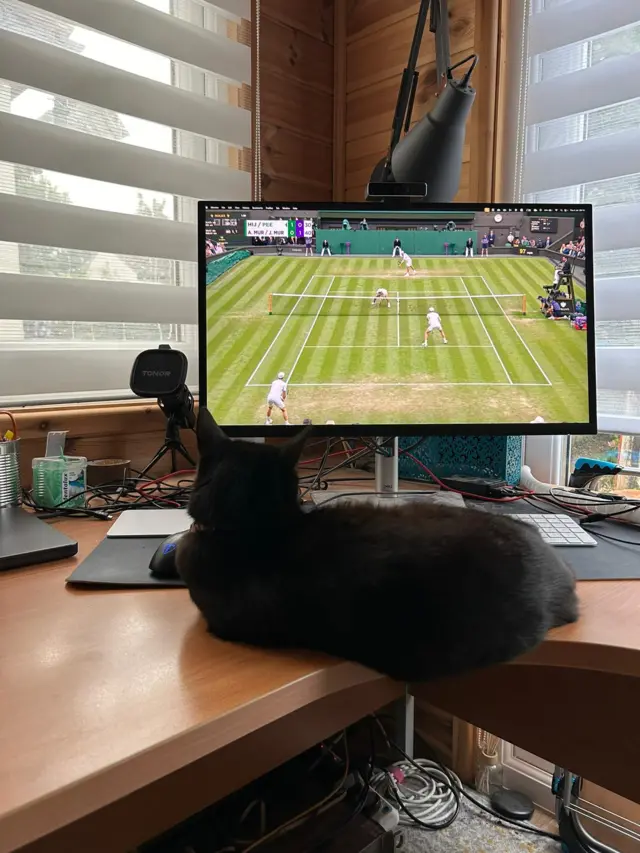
(578, 129)
(115, 117)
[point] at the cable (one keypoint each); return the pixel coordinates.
(134, 493)
(317, 479)
(510, 823)
(501, 819)
(614, 538)
(304, 814)
(321, 458)
(13, 421)
(413, 446)
(362, 799)
(423, 791)
(442, 485)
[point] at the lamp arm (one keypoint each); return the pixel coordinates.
(408, 83)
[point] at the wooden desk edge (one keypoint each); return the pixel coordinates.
(580, 654)
(45, 815)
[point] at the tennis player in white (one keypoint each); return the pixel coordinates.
(381, 294)
(434, 324)
(408, 264)
(277, 397)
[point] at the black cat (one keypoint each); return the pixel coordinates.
(416, 592)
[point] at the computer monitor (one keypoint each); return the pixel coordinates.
(397, 319)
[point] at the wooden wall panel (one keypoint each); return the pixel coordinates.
(379, 34)
(297, 78)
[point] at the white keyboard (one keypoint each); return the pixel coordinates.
(557, 529)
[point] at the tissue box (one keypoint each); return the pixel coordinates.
(495, 456)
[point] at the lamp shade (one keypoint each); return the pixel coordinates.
(432, 150)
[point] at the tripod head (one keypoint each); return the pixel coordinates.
(179, 408)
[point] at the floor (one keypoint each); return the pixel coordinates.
(475, 832)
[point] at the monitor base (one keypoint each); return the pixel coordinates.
(387, 493)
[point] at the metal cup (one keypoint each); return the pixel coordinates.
(10, 491)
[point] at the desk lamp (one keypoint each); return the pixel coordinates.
(431, 152)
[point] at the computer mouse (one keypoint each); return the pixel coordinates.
(163, 562)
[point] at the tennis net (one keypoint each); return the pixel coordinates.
(339, 304)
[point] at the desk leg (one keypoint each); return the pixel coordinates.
(404, 713)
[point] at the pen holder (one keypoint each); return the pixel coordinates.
(10, 491)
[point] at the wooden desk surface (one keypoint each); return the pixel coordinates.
(103, 692)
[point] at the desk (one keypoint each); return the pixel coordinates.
(575, 699)
(120, 715)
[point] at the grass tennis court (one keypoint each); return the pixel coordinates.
(352, 362)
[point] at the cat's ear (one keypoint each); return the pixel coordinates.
(292, 448)
(210, 437)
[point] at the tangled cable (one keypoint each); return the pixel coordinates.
(423, 790)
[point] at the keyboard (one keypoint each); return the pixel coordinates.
(557, 529)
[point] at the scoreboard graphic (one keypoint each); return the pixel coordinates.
(279, 228)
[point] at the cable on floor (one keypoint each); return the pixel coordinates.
(425, 794)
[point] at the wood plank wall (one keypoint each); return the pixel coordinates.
(378, 37)
(296, 45)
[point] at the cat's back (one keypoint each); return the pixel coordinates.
(420, 546)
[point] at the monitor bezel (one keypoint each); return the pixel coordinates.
(418, 430)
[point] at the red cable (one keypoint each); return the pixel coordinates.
(143, 486)
(329, 455)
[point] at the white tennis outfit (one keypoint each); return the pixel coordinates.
(407, 261)
(274, 397)
(381, 293)
(434, 323)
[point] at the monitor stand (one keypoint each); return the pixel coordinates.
(386, 492)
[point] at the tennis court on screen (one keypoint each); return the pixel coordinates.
(353, 361)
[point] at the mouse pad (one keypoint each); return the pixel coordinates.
(607, 561)
(121, 563)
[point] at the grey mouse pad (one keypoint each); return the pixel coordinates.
(121, 563)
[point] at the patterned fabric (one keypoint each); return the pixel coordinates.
(497, 456)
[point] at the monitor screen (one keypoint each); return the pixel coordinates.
(394, 318)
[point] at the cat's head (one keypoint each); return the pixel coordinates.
(242, 485)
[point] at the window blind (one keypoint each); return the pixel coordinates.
(115, 117)
(579, 141)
